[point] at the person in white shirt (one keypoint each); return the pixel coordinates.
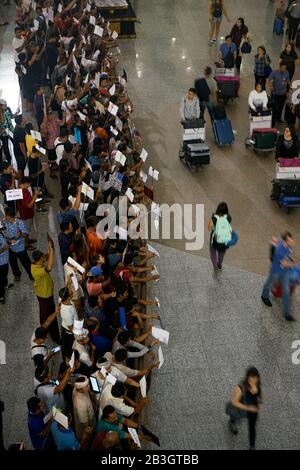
(84, 415)
(190, 106)
(114, 395)
(48, 390)
(68, 315)
(119, 360)
(59, 143)
(84, 348)
(18, 43)
(124, 341)
(258, 100)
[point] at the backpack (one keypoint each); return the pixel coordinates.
(223, 230)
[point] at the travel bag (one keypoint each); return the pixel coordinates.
(264, 138)
(198, 154)
(278, 26)
(223, 132)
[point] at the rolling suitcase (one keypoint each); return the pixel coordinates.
(194, 124)
(228, 87)
(198, 154)
(219, 112)
(278, 26)
(223, 132)
(264, 138)
(286, 192)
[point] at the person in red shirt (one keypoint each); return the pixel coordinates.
(26, 206)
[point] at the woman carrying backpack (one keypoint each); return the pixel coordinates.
(221, 234)
(216, 9)
(245, 403)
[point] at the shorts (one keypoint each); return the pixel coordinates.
(216, 19)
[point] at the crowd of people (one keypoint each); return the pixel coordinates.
(92, 350)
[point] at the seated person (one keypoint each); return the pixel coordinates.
(258, 101)
(287, 145)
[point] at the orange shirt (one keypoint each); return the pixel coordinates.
(95, 244)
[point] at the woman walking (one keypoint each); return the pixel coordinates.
(238, 34)
(290, 57)
(261, 65)
(245, 403)
(221, 234)
(216, 10)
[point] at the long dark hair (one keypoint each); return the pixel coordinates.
(252, 372)
(222, 209)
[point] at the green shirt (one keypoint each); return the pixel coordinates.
(105, 426)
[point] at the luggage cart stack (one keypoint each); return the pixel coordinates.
(194, 151)
(286, 185)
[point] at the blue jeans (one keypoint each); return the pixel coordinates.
(284, 278)
(206, 104)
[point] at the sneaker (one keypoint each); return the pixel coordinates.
(267, 302)
(219, 267)
(232, 427)
(290, 318)
(41, 210)
(17, 278)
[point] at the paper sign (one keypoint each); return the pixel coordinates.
(72, 361)
(144, 155)
(113, 131)
(50, 14)
(40, 149)
(120, 158)
(154, 271)
(134, 436)
(87, 190)
(113, 109)
(119, 124)
(36, 135)
(154, 173)
(143, 176)
(48, 416)
(77, 327)
(112, 90)
(92, 20)
(152, 250)
(75, 281)
(111, 379)
(88, 165)
(81, 115)
(14, 194)
(114, 35)
(155, 208)
(95, 55)
(88, 7)
(59, 8)
(135, 209)
(60, 418)
(162, 335)
(129, 194)
(97, 79)
(98, 31)
(160, 357)
(76, 265)
(143, 386)
(157, 302)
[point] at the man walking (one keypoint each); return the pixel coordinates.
(281, 263)
(278, 82)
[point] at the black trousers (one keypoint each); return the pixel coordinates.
(24, 259)
(252, 418)
(3, 279)
(261, 80)
(279, 104)
(5, 148)
(67, 341)
(293, 24)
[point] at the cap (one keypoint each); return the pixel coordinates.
(36, 255)
(95, 271)
(3, 102)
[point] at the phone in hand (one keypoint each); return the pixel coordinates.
(55, 350)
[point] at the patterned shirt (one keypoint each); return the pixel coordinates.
(260, 65)
(4, 254)
(51, 131)
(14, 231)
(6, 123)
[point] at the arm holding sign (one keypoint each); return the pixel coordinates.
(49, 266)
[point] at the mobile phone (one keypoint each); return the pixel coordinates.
(55, 350)
(94, 385)
(39, 199)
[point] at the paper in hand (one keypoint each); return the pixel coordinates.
(114, 35)
(155, 272)
(76, 265)
(112, 90)
(129, 194)
(114, 131)
(92, 20)
(48, 416)
(81, 115)
(88, 165)
(113, 109)
(59, 8)
(162, 335)
(119, 124)
(75, 281)
(111, 379)
(87, 191)
(77, 327)
(143, 176)
(13, 194)
(143, 386)
(134, 436)
(144, 155)
(36, 135)
(98, 31)
(152, 250)
(154, 173)
(160, 357)
(60, 418)
(41, 149)
(120, 158)
(72, 360)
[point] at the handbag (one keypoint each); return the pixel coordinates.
(234, 239)
(246, 47)
(235, 413)
(268, 70)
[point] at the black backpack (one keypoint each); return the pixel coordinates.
(202, 89)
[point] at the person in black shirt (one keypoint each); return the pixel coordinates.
(20, 143)
(65, 240)
(290, 57)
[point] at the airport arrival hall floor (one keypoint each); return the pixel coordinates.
(218, 326)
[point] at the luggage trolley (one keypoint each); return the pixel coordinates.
(286, 185)
(228, 83)
(262, 136)
(194, 152)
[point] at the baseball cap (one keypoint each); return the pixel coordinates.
(95, 271)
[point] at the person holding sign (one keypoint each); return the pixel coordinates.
(4, 266)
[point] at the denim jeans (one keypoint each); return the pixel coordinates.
(284, 278)
(206, 104)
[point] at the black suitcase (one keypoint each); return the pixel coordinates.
(219, 112)
(228, 90)
(194, 124)
(285, 188)
(198, 154)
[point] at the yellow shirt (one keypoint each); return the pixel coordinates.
(30, 143)
(43, 283)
